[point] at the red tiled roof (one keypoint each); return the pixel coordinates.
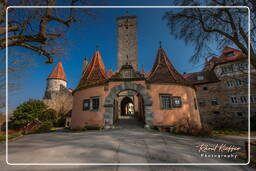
(208, 77)
(163, 71)
(110, 73)
(94, 73)
(58, 73)
(228, 54)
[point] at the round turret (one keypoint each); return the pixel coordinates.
(55, 81)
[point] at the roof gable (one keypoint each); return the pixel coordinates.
(94, 73)
(163, 71)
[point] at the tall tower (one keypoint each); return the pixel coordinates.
(127, 41)
(55, 81)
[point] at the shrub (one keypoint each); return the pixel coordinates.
(27, 113)
(49, 115)
(33, 115)
(60, 122)
(45, 127)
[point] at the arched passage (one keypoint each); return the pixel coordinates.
(109, 103)
(126, 106)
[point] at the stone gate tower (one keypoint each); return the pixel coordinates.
(127, 41)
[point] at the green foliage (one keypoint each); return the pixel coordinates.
(60, 122)
(11, 136)
(33, 114)
(48, 115)
(45, 126)
(28, 112)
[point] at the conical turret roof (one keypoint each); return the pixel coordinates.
(58, 73)
(163, 71)
(94, 73)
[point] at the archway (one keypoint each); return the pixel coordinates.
(109, 103)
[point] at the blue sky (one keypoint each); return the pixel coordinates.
(102, 31)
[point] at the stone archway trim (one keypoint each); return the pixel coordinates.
(108, 115)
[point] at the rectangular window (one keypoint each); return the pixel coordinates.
(233, 100)
(230, 84)
(95, 103)
(200, 77)
(86, 104)
(214, 101)
(224, 69)
(205, 88)
(243, 66)
(238, 82)
(230, 68)
(201, 103)
(176, 101)
(243, 99)
(165, 100)
(245, 82)
(253, 99)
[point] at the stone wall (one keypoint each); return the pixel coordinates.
(60, 100)
(127, 41)
(54, 84)
(226, 114)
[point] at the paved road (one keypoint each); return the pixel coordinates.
(120, 145)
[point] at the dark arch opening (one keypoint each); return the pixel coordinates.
(127, 106)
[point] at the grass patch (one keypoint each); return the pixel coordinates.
(11, 136)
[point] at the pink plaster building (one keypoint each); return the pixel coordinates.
(160, 98)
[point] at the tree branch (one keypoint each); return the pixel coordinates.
(10, 29)
(16, 40)
(38, 50)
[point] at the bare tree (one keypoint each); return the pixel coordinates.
(39, 29)
(225, 26)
